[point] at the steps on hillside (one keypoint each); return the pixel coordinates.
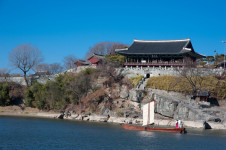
(141, 85)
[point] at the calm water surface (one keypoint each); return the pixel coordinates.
(33, 133)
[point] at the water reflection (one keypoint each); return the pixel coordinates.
(147, 134)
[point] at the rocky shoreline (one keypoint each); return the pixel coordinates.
(108, 119)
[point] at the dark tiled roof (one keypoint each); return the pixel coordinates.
(97, 55)
(159, 47)
(83, 62)
(203, 93)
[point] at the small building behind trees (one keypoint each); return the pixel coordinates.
(203, 95)
(93, 60)
(82, 63)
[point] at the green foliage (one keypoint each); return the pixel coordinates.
(217, 87)
(10, 93)
(56, 95)
(136, 80)
(88, 71)
(4, 94)
(116, 58)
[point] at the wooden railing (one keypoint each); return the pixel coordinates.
(154, 64)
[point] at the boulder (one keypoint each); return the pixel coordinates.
(137, 121)
(73, 116)
(106, 111)
(165, 107)
(215, 125)
(117, 119)
(79, 117)
(124, 92)
(67, 114)
(129, 120)
(86, 118)
(136, 95)
(98, 118)
(61, 116)
(203, 104)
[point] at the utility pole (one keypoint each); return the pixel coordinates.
(224, 52)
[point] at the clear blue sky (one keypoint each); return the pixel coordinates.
(60, 28)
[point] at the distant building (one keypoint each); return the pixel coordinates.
(95, 59)
(164, 53)
(203, 95)
(82, 63)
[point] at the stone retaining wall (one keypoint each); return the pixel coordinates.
(159, 71)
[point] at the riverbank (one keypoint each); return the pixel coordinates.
(159, 121)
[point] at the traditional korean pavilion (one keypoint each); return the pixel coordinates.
(166, 53)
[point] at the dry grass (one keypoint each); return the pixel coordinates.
(136, 80)
(216, 86)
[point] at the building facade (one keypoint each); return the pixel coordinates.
(159, 53)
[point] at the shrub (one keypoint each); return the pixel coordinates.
(4, 94)
(56, 95)
(11, 93)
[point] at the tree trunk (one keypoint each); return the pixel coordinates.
(25, 78)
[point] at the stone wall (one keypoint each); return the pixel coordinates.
(159, 71)
(21, 81)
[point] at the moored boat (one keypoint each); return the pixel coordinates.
(141, 128)
(148, 118)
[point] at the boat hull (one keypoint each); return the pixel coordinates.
(141, 128)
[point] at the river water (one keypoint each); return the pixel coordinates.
(34, 133)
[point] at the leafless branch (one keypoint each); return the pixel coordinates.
(25, 57)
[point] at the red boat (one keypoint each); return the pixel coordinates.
(148, 118)
(141, 128)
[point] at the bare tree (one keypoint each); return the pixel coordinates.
(25, 57)
(4, 72)
(107, 69)
(41, 68)
(50, 68)
(104, 48)
(69, 62)
(55, 68)
(191, 74)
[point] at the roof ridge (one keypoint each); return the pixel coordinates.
(178, 40)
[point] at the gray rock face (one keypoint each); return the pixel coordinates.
(165, 107)
(99, 118)
(124, 92)
(107, 112)
(136, 95)
(187, 109)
